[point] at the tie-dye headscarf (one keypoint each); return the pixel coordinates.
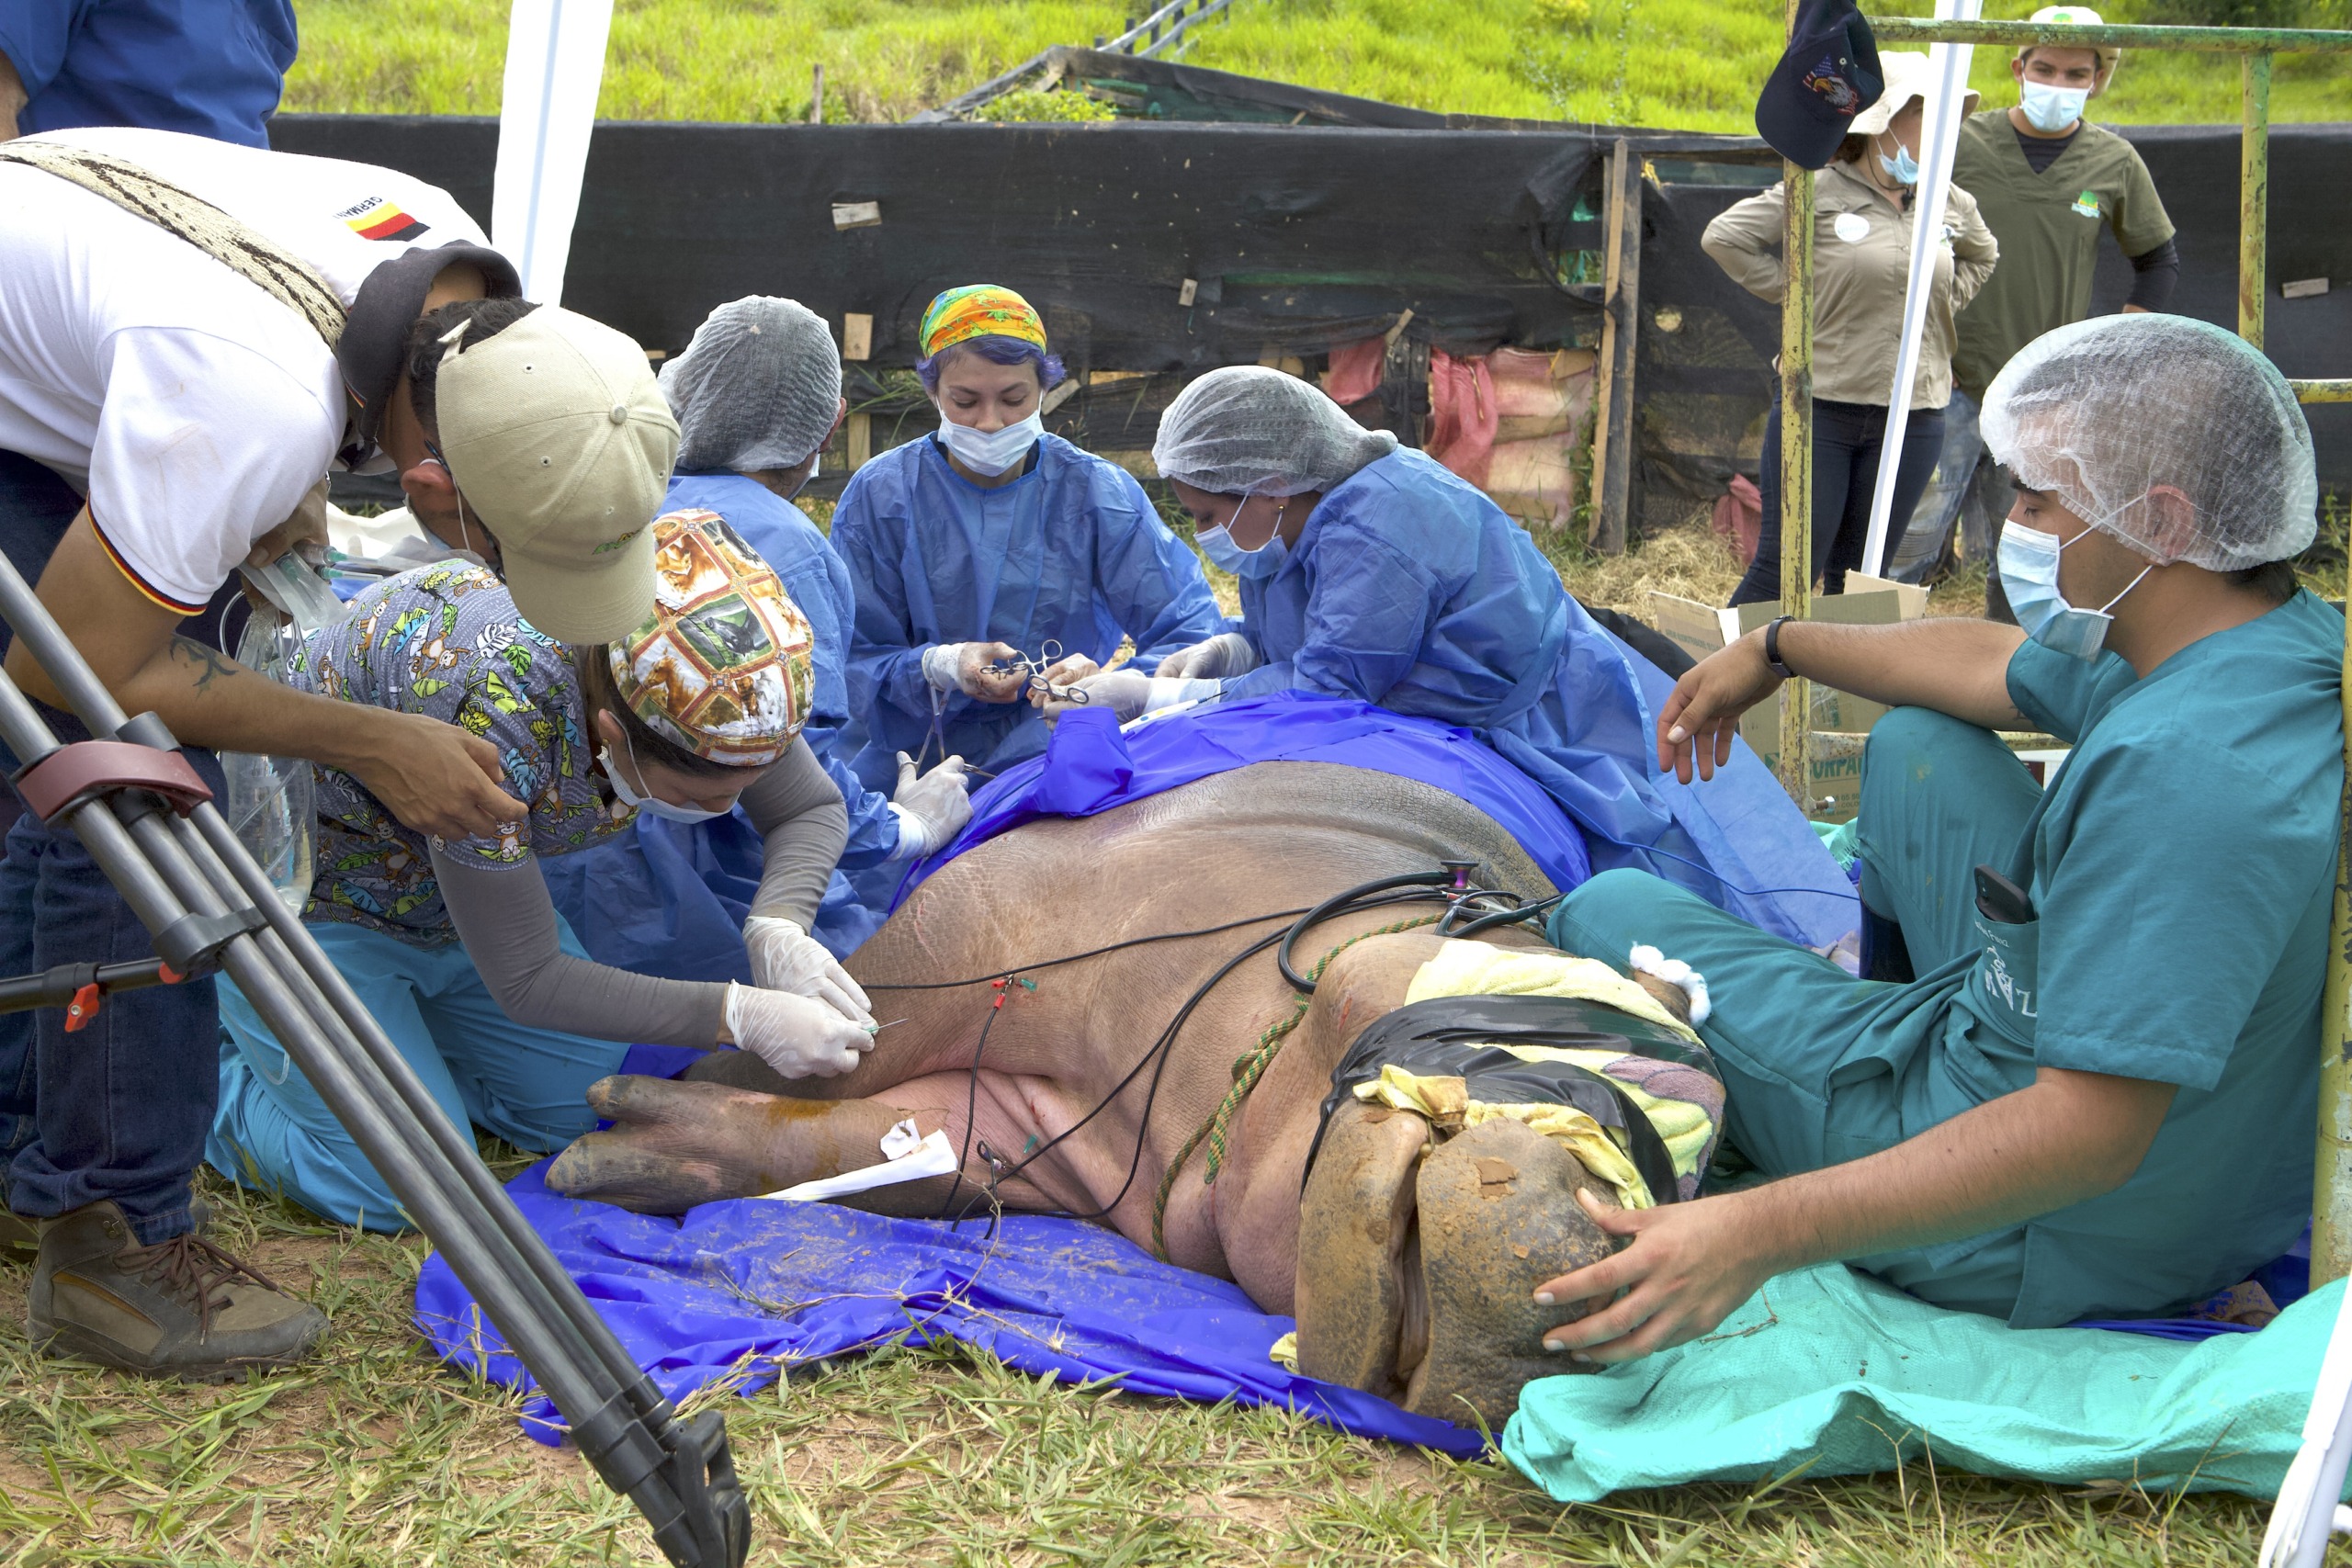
(979, 310)
(723, 666)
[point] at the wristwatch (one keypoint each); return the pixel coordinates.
(1772, 646)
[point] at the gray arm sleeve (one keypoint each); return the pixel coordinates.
(506, 919)
(802, 826)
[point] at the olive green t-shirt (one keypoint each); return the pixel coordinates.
(2047, 225)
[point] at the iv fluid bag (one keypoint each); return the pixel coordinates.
(272, 802)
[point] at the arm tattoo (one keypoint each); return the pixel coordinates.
(208, 662)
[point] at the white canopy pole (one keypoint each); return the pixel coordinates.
(555, 64)
(2307, 1512)
(1939, 144)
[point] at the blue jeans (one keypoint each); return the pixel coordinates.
(1847, 439)
(527, 1086)
(116, 1110)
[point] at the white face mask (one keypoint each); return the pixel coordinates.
(2051, 108)
(991, 451)
(630, 794)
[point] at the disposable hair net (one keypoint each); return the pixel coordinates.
(757, 389)
(1250, 430)
(2102, 412)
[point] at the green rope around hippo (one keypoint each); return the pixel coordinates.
(1247, 1071)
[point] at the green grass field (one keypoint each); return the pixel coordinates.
(1683, 65)
(376, 1457)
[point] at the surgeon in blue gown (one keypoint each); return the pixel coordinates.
(756, 394)
(991, 542)
(1372, 572)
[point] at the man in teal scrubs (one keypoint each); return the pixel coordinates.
(2096, 1098)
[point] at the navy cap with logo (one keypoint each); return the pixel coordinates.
(1829, 74)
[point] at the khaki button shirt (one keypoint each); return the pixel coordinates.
(1862, 266)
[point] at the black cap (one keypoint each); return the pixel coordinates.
(1829, 74)
(375, 334)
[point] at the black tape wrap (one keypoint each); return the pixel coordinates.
(1461, 1037)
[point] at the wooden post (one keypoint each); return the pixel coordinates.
(1612, 443)
(1796, 465)
(817, 95)
(2254, 196)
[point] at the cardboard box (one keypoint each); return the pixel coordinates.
(1840, 719)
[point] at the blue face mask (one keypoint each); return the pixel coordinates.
(1902, 168)
(2030, 576)
(2048, 109)
(652, 805)
(1256, 565)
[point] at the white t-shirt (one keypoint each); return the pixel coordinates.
(192, 407)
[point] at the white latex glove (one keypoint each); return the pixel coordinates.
(932, 807)
(1221, 658)
(785, 958)
(1128, 694)
(964, 667)
(799, 1038)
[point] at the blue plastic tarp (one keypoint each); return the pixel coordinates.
(1093, 765)
(740, 1291)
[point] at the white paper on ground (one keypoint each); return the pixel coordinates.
(906, 1158)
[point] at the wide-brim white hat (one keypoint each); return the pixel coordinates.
(1908, 77)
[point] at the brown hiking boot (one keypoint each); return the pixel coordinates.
(183, 1308)
(19, 1237)
(20, 1234)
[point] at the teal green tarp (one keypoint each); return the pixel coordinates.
(1831, 1367)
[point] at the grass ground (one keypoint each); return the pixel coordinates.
(375, 1455)
(1685, 65)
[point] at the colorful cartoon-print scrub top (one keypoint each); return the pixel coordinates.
(446, 641)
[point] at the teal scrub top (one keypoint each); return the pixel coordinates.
(2181, 867)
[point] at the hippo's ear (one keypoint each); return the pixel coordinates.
(1673, 997)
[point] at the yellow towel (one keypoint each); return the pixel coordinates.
(1474, 969)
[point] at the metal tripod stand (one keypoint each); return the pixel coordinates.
(148, 822)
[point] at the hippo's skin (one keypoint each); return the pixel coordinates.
(1269, 839)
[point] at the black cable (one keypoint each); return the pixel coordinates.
(1162, 1048)
(1333, 906)
(1506, 917)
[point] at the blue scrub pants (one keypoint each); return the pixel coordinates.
(529, 1086)
(1819, 1068)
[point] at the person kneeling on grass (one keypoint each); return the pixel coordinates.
(2077, 1080)
(455, 946)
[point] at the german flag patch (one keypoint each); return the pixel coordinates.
(376, 218)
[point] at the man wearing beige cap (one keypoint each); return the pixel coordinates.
(191, 333)
(2048, 182)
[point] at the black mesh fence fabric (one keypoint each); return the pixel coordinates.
(1294, 238)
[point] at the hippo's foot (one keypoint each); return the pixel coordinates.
(1419, 1284)
(674, 1144)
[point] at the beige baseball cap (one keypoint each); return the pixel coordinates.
(557, 435)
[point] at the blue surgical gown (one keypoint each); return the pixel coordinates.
(1072, 552)
(207, 67)
(1409, 588)
(669, 899)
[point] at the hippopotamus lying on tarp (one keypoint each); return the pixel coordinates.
(1411, 1276)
